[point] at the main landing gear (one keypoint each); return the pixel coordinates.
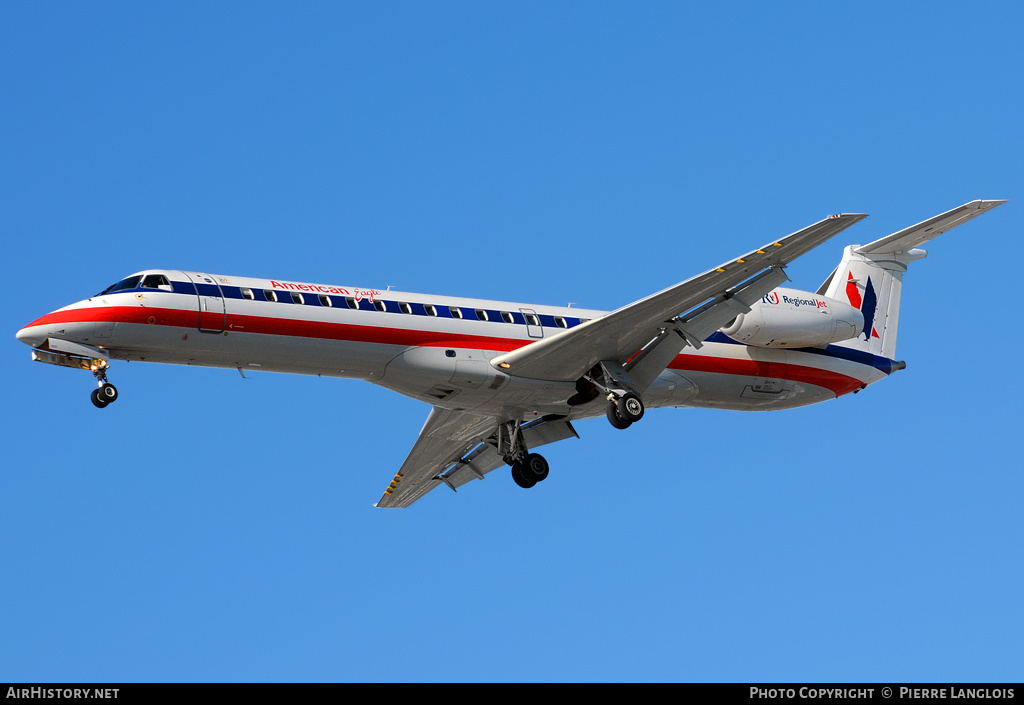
(625, 407)
(105, 393)
(625, 410)
(530, 470)
(527, 468)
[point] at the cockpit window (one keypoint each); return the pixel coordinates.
(156, 281)
(123, 285)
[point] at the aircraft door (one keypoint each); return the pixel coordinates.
(533, 326)
(212, 314)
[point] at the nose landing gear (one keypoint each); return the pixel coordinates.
(105, 393)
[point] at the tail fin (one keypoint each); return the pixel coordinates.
(870, 276)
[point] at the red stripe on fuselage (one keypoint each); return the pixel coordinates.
(292, 327)
(838, 384)
(835, 382)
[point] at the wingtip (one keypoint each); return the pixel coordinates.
(984, 204)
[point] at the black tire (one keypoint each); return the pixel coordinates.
(108, 393)
(614, 418)
(535, 467)
(630, 407)
(519, 477)
(97, 400)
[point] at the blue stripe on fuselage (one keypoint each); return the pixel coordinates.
(882, 364)
(391, 306)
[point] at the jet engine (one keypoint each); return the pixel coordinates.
(787, 318)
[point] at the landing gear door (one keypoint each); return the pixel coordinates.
(212, 314)
(533, 327)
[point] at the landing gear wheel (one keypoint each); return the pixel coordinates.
(97, 400)
(108, 393)
(614, 418)
(520, 478)
(630, 407)
(535, 467)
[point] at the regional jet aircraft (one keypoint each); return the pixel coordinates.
(506, 378)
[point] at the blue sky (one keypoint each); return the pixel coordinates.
(209, 528)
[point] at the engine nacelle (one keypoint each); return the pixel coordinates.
(787, 318)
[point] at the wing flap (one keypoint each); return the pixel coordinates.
(693, 327)
(446, 436)
(452, 450)
(484, 458)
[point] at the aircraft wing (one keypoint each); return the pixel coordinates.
(452, 449)
(645, 335)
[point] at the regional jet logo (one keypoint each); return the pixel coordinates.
(867, 304)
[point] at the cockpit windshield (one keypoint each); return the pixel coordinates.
(123, 285)
(156, 281)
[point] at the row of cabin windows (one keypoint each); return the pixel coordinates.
(160, 281)
(382, 306)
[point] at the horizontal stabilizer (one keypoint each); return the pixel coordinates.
(916, 235)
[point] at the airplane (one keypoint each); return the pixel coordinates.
(505, 378)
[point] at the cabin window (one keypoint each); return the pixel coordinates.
(429, 308)
(156, 281)
(404, 307)
(481, 314)
(325, 300)
(560, 322)
(297, 298)
(455, 311)
(584, 320)
(351, 302)
(380, 306)
(532, 319)
(507, 317)
(270, 294)
(247, 294)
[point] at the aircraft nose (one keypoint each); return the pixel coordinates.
(30, 336)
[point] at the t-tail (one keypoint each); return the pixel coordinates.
(870, 276)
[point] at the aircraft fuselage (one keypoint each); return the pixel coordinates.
(435, 349)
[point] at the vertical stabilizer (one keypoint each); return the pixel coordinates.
(870, 276)
(873, 285)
